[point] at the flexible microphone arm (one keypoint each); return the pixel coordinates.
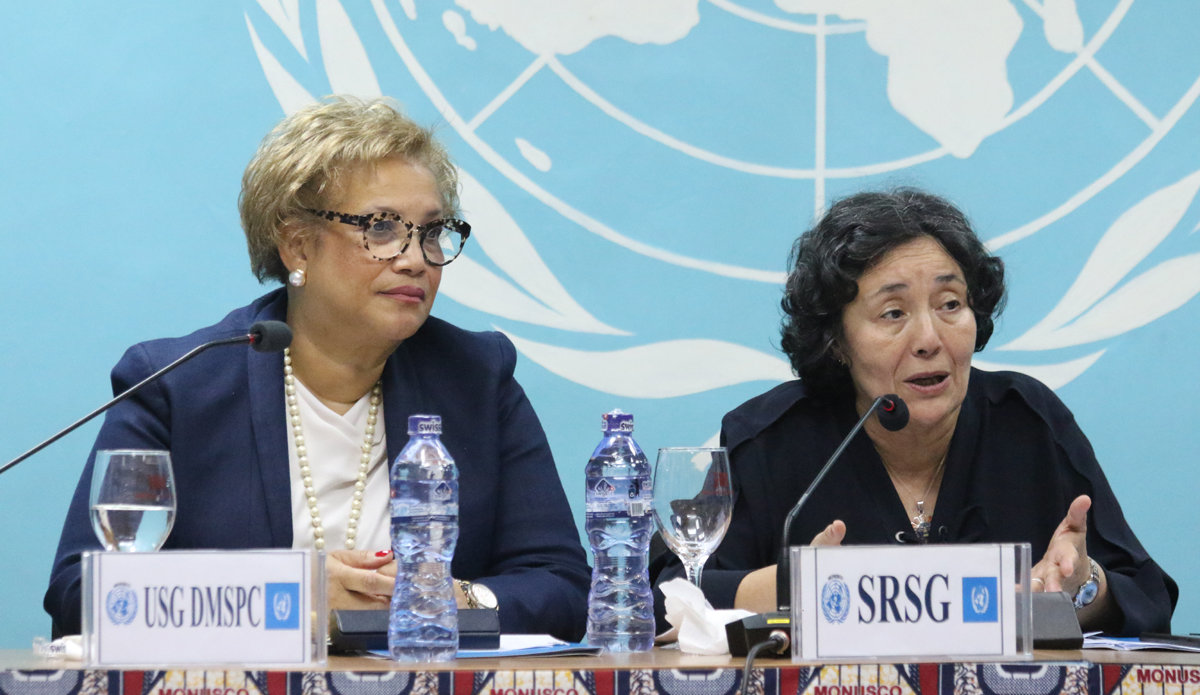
(893, 416)
(264, 336)
(765, 630)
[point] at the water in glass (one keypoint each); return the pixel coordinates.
(132, 499)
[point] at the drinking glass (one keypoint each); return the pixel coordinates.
(693, 502)
(132, 499)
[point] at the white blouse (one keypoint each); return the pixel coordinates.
(334, 447)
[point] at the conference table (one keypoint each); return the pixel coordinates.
(666, 671)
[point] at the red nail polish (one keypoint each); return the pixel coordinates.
(383, 553)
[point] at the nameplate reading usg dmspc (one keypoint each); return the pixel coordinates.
(212, 607)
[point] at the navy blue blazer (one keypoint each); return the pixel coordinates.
(222, 417)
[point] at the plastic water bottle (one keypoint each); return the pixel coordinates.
(619, 523)
(423, 624)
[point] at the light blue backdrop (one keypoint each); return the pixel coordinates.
(635, 177)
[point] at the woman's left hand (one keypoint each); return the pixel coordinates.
(389, 571)
(354, 579)
(1065, 565)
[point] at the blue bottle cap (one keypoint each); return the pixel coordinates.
(617, 421)
(424, 424)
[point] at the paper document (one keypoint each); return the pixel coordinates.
(530, 645)
(1095, 640)
(521, 645)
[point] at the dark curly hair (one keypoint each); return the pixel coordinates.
(854, 235)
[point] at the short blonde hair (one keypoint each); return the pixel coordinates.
(302, 158)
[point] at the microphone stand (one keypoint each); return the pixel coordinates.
(265, 333)
(783, 577)
(744, 634)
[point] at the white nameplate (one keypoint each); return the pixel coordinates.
(209, 607)
(956, 601)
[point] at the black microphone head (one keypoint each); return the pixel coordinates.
(270, 336)
(892, 413)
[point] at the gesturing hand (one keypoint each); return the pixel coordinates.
(1065, 565)
(756, 592)
(833, 534)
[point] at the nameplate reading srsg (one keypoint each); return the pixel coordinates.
(246, 607)
(898, 602)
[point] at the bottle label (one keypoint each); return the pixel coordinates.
(424, 425)
(616, 421)
(619, 497)
(424, 512)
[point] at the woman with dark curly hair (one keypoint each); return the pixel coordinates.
(893, 293)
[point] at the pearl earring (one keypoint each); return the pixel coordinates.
(296, 278)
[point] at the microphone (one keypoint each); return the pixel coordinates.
(264, 336)
(270, 336)
(893, 413)
(744, 634)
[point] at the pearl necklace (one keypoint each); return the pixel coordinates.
(364, 461)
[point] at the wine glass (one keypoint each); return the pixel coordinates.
(132, 499)
(693, 502)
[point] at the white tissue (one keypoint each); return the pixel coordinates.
(67, 647)
(699, 626)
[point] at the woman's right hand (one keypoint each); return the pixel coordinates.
(354, 582)
(756, 592)
(832, 535)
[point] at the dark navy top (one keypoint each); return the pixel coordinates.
(1016, 461)
(222, 417)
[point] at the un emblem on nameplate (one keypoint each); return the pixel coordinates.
(121, 604)
(979, 605)
(835, 600)
(955, 601)
(284, 599)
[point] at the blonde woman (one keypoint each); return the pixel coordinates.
(352, 208)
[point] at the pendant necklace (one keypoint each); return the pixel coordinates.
(920, 522)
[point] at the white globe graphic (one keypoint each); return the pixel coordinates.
(725, 127)
(619, 156)
(637, 173)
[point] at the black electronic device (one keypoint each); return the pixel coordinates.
(1055, 625)
(743, 634)
(366, 630)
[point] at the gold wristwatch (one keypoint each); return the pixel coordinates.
(478, 595)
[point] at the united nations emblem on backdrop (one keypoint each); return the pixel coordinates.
(121, 604)
(1119, 258)
(835, 599)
